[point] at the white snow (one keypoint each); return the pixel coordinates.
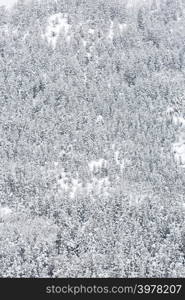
(111, 31)
(5, 212)
(76, 186)
(63, 181)
(91, 31)
(179, 152)
(7, 3)
(84, 42)
(99, 119)
(120, 162)
(175, 117)
(71, 186)
(89, 52)
(66, 182)
(98, 185)
(170, 110)
(57, 23)
(97, 164)
(4, 29)
(123, 27)
(183, 205)
(178, 147)
(179, 121)
(133, 3)
(118, 159)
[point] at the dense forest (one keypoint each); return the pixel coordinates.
(90, 185)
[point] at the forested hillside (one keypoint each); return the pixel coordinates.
(92, 133)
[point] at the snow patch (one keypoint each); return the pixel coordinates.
(98, 185)
(136, 3)
(183, 205)
(123, 27)
(178, 147)
(84, 42)
(179, 153)
(75, 187)
(99, 120)
(68, 185)
(57, 23)
(4, 29)
(5, 212)
(118, 159)
(111, 31)
(91, 31)
(97, 164)
(63, 181)
(179, 121)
